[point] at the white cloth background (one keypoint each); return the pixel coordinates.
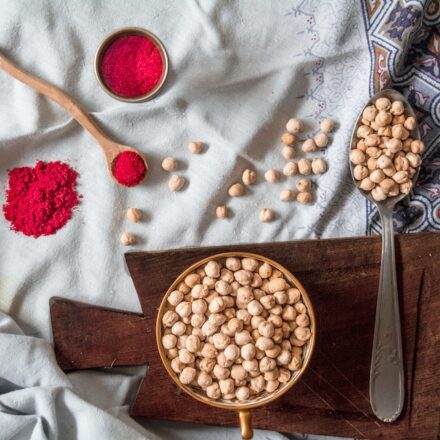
(239, 70)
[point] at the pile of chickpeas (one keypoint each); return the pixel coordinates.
(386, 157)
(235, 329)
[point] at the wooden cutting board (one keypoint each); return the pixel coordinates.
(331, 398)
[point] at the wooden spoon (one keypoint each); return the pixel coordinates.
(110, 148)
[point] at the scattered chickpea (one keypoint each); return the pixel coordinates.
(169, 164)
(294, 126)
(236, 190)
(221, 211)
(272, 176)
(288, 139)
(287, 195)
(321, 140)
(288, 152)
(303, 185)
(305, 167)
(309, 146)
(327, 125)
(134, 215)
(290, 169)
(249, 177)
(127, 239)
(304, 198)
(176, 183)
(267, 215)
(319, 166)
(196, 147)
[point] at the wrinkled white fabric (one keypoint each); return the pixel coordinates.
(238, 71)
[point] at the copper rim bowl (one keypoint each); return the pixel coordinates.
(265, 398)
(131, 31)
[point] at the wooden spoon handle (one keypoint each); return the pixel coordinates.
(58, 96)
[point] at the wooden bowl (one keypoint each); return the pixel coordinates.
(131, 31)
(264, 398)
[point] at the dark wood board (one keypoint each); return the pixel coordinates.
(331, 398)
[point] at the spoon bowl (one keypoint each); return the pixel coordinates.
(387, 382)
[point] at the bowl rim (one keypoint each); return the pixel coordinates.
(132, 30)
(270, 396)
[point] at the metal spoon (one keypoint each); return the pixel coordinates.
(387, 389)
(110, 148)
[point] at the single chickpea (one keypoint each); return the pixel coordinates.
(378, 194)
(397, 108)
(357, 157)
(213, 391)
(372, 140)
(207, 364)
(360, 172)
(169, 164)
(226, 386)
(271, 386)
(236, 190)
(255, 308)
(401, 177)
(410, 123)
(288, 139)
(242, 393)
(273, 352)
(178, 329)
(267, 301)
(277, 285)
(272, 176)
(244, 277)
(305, 167)
(369, 113)
(413, 159)
(400, 119)
(288, 153)
(196, 147)
(248, 351)
(366, 184)
(244, 296)
(176, 183)
(304, 185)
(321, 140)
(250, 264)
(181, 341)
(127, 239)
(243, 337)
(383, 118)
(183, 309)
(193, 343)
(257, 384)
(216, 319)
(187, 375)
(169, 318)
(302, 320)
(221, 211)
(293, 295)
(220, 372)
(296, 342)
(235, 325)
(272, 375)
(319, 166)
(192, 279)
(275, 320)
(417, 147)
(266, 329)
(406, 187)
(238, 372)
(169, 341)
(300, 307)
(208, 328)
(280, 297)
(251, 365)
(290, 169)
(266, 364)
(176, 365)
(266, 215)
(295, 363)
(302, 333)
(383, 104)
(265, 270)
(384, 162)
(245, 316)
(377, 176)
(284, 375)
(256, 280)
(212, 269)
(264, 343)
(204, 380)
(232, 352)
(175, 297)
(256, 321)
(399, 131)
(185, 356)
(223, 361)
(294, 126)
(220, 341)
(249, 177)
(327, 125)
(309, 146)
(363, 131)
(172, 353)
(374, 152)
(217, 305)
(134, 215)
(384, 132)
(233, 264)
(222, 287)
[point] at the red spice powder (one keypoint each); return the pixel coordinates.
(131, 66)
(40, 200)
(129, 168)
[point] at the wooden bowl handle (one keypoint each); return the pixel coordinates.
(86, 336)
(245, 424)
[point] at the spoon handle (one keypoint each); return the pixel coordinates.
(387, 392)
(58, 96)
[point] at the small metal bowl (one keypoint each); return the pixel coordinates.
(243, 409)
(131, 31)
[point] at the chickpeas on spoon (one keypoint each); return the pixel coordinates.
(114, 152)
(384, 164)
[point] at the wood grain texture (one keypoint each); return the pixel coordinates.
(331, 398)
